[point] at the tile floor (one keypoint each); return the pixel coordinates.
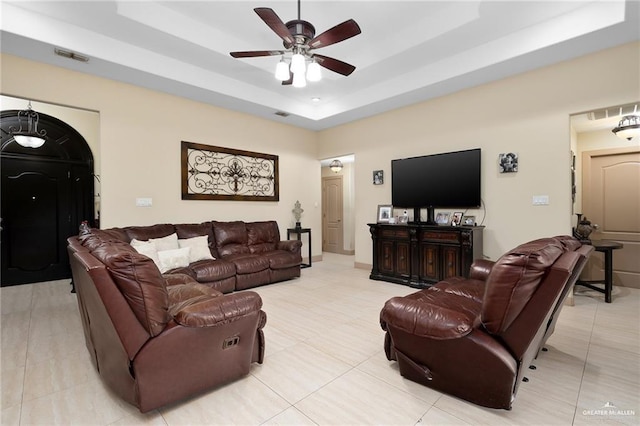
(324, 364)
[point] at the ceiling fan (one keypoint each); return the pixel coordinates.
(299, 39)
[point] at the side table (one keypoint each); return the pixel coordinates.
(606, 247)
(299, 232)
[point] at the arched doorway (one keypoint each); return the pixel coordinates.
(46, 193)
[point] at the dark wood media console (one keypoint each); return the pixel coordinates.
(420, 255)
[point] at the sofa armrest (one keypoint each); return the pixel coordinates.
(294, 246)
(214, 311)
(480, 269)
(425, 319)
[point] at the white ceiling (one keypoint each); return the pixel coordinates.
(409, 51)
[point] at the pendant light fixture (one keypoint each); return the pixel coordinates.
(28, 135)
(336, 165)
(628, 127)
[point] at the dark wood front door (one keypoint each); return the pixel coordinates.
(36, 220)
(45, 193)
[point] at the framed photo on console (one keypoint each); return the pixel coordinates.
(442, 218)
(469, 220)
(456, 219)
(384, 213)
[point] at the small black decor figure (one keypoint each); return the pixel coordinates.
(583, 229)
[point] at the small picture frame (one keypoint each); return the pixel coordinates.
(378, 177)
(385, 212)
(456, 219)
(508, 162)
(469, 220)
(442, 218)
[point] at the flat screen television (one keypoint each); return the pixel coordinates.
(448, 180)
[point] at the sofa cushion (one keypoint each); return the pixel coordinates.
(145, 233)
(199, 248)
(248, 263)
(190, 230)
(212, 270)
(231, 237)
(514, 278)
(141, 284)
(172, 259)
(168, 242)
(148, 248)
(181, 296)
(280, 259)
(262, 236)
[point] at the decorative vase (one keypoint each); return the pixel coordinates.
(583, 228)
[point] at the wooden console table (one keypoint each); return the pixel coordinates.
(299, 232)
(606, 247)
(420, 255)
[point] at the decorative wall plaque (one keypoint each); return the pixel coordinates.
(216, 173)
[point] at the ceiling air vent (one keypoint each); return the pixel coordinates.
(71, 55)
(282, 113)
(615, 111)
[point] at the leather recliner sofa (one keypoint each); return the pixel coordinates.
(243, 254)
(157, 339)
(474, 337)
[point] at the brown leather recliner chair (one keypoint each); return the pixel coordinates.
(158, 339)
(474, 337)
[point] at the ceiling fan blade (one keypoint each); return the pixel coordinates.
(334, 65)
(256, 53)
(340, 32)
(275, 23)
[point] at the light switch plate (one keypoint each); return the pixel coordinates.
(540, 200)
(144, 202)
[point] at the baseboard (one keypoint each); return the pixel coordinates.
(359, 265)
(345, 252)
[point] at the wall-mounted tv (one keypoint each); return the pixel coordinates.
(447, 180)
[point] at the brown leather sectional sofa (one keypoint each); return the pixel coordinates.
(156, 338)
(475, 337)
(246, 254)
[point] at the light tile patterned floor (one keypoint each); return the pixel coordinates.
(324, 364)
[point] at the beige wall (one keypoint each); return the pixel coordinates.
(527, 114)
(139, 148)
(141, 130)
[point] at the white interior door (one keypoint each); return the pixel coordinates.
(332, 220)
(611, 199)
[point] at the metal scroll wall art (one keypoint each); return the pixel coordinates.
(215, 173)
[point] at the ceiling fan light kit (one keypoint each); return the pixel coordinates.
(298, 38)
(282, 71)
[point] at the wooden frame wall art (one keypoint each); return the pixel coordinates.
(216, 173)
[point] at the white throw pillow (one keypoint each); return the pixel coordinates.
(170, 242)
(199, 248)
(148, 248)
(171, 259)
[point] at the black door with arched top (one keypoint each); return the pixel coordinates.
(46, 192)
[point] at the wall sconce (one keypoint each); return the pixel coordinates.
(628, 128)
(335, 166)
(29, 137)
